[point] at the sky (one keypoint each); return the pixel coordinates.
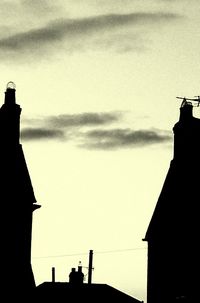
(97, 81)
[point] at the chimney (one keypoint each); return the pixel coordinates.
(53, 275)
(10, 93)
(79, 268)
(76, 277)
(72, 275)
(10, 117)
(186, 135)
(186, 111)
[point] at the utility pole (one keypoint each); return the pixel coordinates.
(90, 268)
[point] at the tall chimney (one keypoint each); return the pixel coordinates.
(10, 93)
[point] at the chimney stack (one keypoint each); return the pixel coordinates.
(10, 93)
(53, 274)
(76, 277)
(186, 112)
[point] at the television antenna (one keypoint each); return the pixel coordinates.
(196, 99)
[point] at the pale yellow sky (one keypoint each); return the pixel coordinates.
(97, 82)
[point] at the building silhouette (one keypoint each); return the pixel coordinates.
(17, 203)
(173, 232)
(77, 291)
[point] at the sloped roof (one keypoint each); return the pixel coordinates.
(176, 212)
(67, 292)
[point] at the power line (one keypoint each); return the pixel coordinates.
(97, 252)
(60, 256)
(119, 250)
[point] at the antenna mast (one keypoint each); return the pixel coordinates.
(185, 100)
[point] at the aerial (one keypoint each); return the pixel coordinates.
(97, 82)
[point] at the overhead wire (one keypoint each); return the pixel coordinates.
(95, 252)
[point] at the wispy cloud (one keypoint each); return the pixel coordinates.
(92, 131)
(76, 120)
(83, 119)
(123, 138)
(70, 33)
(64, 126)
(42, 134)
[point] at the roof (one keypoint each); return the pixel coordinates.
(67, 292)
(176, 213)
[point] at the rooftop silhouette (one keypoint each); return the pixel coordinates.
(17, 202)
(76, 290)
(173, 261)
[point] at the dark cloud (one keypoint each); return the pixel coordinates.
(75, 120)
(83, 119)
(56, 127)
(79, 129)
(123, 138)
(75, 31)
(41, 133)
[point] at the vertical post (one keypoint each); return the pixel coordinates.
(53, 274)
(90, 267)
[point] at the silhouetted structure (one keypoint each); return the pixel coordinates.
(173, 258)
(90, 267)
(76, 277)
(17, 203)
(77, 291)
(91, 293)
